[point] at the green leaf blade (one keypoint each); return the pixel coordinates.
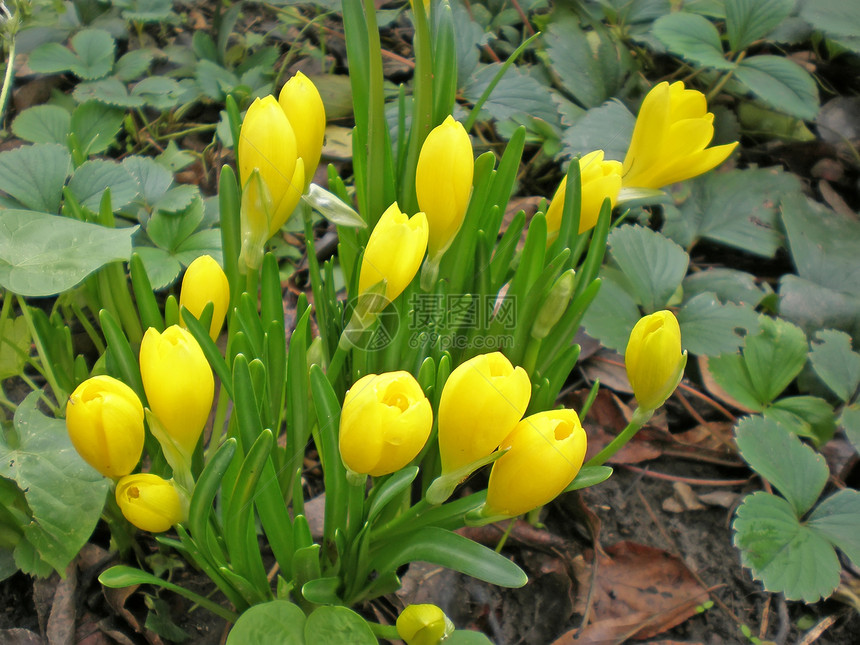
(795, 469)
(781, 83)
(692, 37)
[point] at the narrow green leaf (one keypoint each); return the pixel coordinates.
(589, 476)
(448, 549)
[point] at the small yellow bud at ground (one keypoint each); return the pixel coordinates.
(654, 360)
(149, 502)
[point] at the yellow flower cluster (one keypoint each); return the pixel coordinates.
(279, 148)
(105, 418)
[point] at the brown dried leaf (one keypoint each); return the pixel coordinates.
(639, 592)
(61, 621)
(20, 636)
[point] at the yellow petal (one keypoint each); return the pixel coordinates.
(301, 102)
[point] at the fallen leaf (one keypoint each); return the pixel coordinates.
(19, 636)
(683, 499)
(61, 621)
(639, 592)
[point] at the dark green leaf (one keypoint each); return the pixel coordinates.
(849, 421)
(608, 128)
(107, 90)
(15, 349)
(65, 495)
(836, 364)
(34, 175)
(774, 357)
(838, 519)
(795, 470)
(90, 180)
(693, 38)
(749, 20)
(576, 61)
(815, 307)
(133, 64)
(834, 17)
(654, 265)
(729, 285)
(96, 125)
(806, 416)
(43, 255)
(337, 626)
(781, 83)
(738, 208)
(154, 179)
(516, 93)
(467, 637)
(824, 246)
(159, 91)
(92, 57)
(43, 124)
(783, 554)
(710, 328)
(276, 621)
(161, 267)
(612, 315)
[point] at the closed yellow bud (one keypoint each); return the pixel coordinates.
(384, 424)
(149, 502)
(267, 143)
(443, 181)
(304, 108)
(204, 282)
(654, 360)
(104, 418)
(483, 399)
(394, 251)
(670, 139)
(178, 383)
(600, 179)
(545, 453)
(423, 625)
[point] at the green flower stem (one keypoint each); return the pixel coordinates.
(639, 419)
(59, 393)
(7, 77)
(388, 632)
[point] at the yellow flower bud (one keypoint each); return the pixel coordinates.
(304, 108)
(178, 383)
(655, 362)
(204, 282)
(546, 453)
(670, 139)
(384, 424)
(423, 625)
(267, 143)
(482, 401)
(394, 251)
(149, 502)
(104, 418)
(600, 179)
(443, 181)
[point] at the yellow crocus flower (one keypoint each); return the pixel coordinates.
(654, 360)
(204, 282)
(670, 139)
(600, 179)
(384, 424)
(149, 502)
